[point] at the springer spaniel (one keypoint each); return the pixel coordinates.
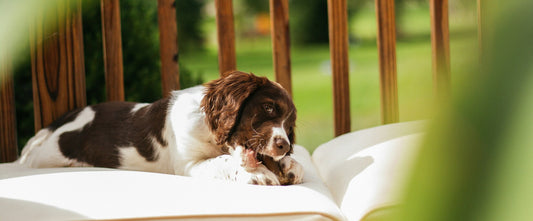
(238, 128)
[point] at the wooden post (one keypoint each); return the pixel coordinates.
(387, 60)
(226, 36)
(8, 134)
(168, 46)
(58, 68)
(440, 44)
(338, 44)
(279, 21)
(112, 42)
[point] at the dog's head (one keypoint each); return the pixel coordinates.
(250, 111)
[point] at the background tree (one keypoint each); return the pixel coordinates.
(189, 15)
(309, 20)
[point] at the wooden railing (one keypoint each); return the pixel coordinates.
(58, 71)
(8, 133)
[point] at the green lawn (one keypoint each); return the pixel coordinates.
(312, 80)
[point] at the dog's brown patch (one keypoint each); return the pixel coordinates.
(113, 127)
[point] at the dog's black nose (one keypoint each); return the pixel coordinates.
(281, 143)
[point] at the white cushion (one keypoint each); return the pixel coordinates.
(365, 170)
(98, 193)
(360, 172)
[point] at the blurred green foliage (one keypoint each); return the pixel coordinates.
(309, 22)
(140, 45)
(308, 19)
(255, 6)
(190, 14)
(476, 162)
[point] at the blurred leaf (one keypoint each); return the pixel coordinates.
(476, 162)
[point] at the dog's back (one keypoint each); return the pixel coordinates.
(99, 135)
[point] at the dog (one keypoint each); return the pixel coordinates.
(229, 129)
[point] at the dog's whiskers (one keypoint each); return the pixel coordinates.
(252, 125)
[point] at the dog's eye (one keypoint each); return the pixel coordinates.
(269, 108)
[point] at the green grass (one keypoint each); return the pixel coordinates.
(312, 79)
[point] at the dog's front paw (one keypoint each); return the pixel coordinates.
(262, 176)
(292, 172)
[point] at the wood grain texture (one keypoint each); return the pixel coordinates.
(279, 21)
(112, 42)
(440, 44)
(338, 44)
(8, 131)
(58, 70)
(168, 46)
(226, 36)
(386, 41)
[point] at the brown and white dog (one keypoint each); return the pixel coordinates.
(221, 130)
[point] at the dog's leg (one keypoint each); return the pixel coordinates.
(42, 151)
(237, 167)
(288, 170)
(292, 172)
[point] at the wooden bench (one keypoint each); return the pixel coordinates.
(58, 72)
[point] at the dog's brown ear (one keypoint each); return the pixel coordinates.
(224, 98)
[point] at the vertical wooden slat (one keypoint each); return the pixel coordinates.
(387, 60)
(338, 44)
(440, 44)
(168, 45)
(58, 71)
(8, 134)
(112, 42)
(279, 20)
(226, 36)
(77, 58)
